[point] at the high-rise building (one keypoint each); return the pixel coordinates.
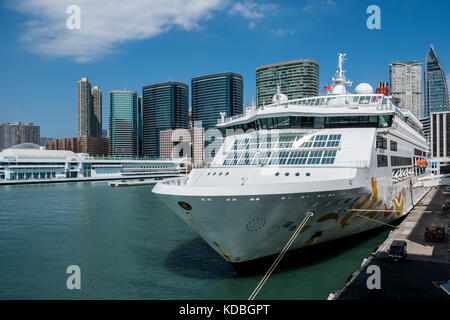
(184, 143)
(297, 79)
(214, 94)
(94, 146)
(89, 110)
(123, 123)
(140, 127)
(84, 108)
(17, 133)
(97, 112)
(435, 83)
(406, 85)
(68, 144)
(164, 106)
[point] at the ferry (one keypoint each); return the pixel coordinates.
(347, 160)
(28, 163)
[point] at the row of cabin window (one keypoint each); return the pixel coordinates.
(382, 161)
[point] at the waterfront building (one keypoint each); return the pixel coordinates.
(67, 144)
(184, 143)
(26, 163)
(89, 109)
(215, 94)
(406, 85)
(164, 106)
(123, 123)
(297, 79)
(17, 133)
(435, 83)
(93, 146)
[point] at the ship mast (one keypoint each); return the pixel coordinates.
(339, 79)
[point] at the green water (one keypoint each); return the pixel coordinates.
(128, 245)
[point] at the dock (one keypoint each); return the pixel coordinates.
(423, 275)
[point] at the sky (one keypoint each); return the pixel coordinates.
(129, 44)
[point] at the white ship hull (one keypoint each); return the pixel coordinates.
(247, 227)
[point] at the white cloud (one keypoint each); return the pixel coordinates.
(106, 23)
(318, 4)
(252, 10)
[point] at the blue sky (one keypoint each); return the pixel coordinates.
(129, 44)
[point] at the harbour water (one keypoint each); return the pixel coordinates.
(128, 245)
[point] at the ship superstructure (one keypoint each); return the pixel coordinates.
(348, 158)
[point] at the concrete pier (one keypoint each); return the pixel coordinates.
(426, 267)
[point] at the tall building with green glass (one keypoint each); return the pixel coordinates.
(435, 83)
(124, 123)
(297, 79)
(164, 106)
(216, 93)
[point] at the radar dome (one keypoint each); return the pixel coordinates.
(339, 89)
(364, 88)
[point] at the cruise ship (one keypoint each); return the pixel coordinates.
(28, 163)
(347, 160)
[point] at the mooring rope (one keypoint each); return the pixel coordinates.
(280, 256)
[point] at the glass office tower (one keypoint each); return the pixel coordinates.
(164, 106)
(216, 93)
(123, 123)
(436, 89)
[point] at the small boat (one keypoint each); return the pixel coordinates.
(125, 183)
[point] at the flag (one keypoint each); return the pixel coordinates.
(328, 88)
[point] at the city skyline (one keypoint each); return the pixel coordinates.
(207, 48)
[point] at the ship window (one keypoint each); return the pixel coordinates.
(328, 157)
(333, 141)
(308, 174)
(286, 174)
(314, 157)
(382, 160)
(298, 157)
(381, 142)
(400, 161)
(297, 174)
(393, 145)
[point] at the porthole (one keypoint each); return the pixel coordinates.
(308, 174)
(214, 174)
(227, 173)
(209, 173)
(185, 206)
(220, 174)
(297, 174)
(286, 174)
(277, 174)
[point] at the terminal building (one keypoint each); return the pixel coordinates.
(27, 163)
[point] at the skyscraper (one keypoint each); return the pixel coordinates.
(164, 106)
(17, 133)
(436, 89)
(297, 79)
(84, 108)
(123, 123)
(97, 112)
(406, 85)
(216, 93)
(89, 110)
